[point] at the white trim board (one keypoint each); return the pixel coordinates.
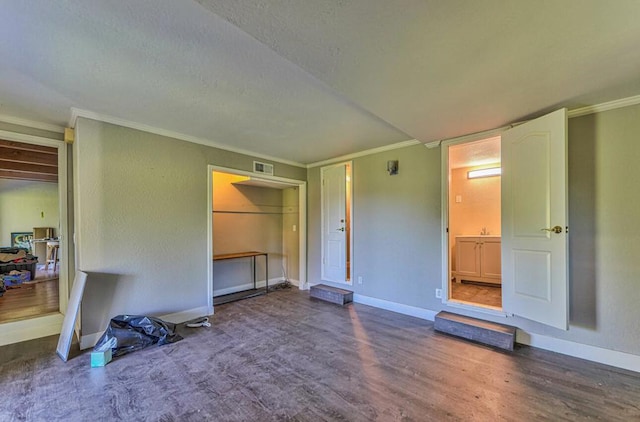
(576, 112)
(246, 286)
(77, 112)
(578, 350)
(413, 311)
(32, 328)
(349, 157)
(31, 123)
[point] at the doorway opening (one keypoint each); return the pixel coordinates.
(474, 223)
(257, 226)
(29, 199)
(33, 223)
(337, 222)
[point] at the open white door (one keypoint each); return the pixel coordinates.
(534, 220)
(334, 239)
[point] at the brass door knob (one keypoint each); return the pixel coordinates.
(556, 229)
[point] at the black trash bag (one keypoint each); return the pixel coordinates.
(128, 333)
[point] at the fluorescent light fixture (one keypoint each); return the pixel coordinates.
(494, 171)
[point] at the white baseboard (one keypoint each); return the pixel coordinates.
(395, 307)
(246, 286)
(579, 350)
(29, 329)
(189, 314)
(90, 340)
(565, 347)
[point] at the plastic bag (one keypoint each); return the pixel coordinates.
(128, 333)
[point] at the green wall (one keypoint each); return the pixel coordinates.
(141, 209)
(397, 231)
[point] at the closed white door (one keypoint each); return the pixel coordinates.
(534, 220)
(334, 223)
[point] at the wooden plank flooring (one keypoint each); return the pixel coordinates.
(285, 357)
(30, 299)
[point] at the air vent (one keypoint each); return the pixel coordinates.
(262, 168)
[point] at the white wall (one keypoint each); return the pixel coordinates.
(25, 205)
(397, 234)
(141, 213)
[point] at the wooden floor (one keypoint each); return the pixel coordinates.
(30, 299)
(285, 357)
(478, 293)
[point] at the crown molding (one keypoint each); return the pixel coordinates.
(77, 112)
(576, 112)
(599, 108)
(31, 123)
(348, 157)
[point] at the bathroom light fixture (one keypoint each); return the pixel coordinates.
(494, 171)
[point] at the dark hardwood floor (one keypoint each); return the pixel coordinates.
(285, 357)
(30, 299)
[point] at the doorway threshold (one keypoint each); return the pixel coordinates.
(476, 307)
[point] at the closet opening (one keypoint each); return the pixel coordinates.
(258, 234)
(474, 223)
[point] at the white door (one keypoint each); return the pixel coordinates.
(534, 220)
(334, 223)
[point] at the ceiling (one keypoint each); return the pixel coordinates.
(306, 81)
(484, 152)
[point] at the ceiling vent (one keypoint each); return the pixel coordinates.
(262, 168)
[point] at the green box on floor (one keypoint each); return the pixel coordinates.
(99, 359)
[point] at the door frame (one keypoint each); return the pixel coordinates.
(349, 194)
(50, 324)
(446, 255)
(302, 223)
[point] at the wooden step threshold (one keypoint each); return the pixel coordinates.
(484, 332)
(331, 294)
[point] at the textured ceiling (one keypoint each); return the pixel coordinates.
(307, 81)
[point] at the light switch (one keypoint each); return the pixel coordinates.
(458, 198)
(295, 228)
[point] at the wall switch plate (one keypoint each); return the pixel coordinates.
(295, 227)
(458, 198)
(359, 279)
(438, 293)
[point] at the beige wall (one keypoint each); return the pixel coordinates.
(25, 205)
(141, 209)
(480, 206)
(397, 235)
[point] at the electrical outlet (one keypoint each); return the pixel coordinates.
(438, 293)
(359, 279)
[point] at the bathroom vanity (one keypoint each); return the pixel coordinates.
(478, 259)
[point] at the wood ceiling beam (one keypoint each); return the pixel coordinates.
(27, 168)
(28, 147)
(5, 174)
(31, 157)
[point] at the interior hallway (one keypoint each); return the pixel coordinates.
(285, 357)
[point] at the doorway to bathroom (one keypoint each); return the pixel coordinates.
(474, 230)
